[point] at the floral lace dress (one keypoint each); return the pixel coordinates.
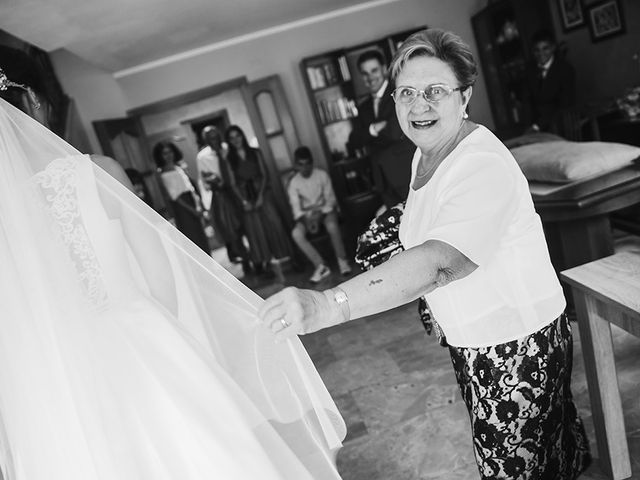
(518, 394)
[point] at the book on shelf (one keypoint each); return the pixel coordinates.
(316, 80)
(344, 68)
(336, 109)
(330, 73)
(327, 74)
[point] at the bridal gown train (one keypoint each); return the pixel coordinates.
(126, 352)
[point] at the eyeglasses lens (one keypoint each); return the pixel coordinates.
(407, 95)
(435, 93)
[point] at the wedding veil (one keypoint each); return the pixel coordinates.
(52, 320)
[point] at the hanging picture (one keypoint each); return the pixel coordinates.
(571, 14)
(605, 20)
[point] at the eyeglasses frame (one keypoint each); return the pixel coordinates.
(423, 93)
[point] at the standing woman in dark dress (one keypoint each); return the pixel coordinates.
(185, 201)
(264, 228)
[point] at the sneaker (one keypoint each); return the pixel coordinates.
(321, 272)
(343, 265)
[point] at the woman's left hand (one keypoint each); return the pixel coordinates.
(294, 311)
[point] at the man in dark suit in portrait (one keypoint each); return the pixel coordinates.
(551, 84)
(378, 132)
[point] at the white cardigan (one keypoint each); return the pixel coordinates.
(478, 201)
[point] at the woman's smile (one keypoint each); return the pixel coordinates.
(423, 124)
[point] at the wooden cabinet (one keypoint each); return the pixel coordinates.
(335, 89)
(503, 32)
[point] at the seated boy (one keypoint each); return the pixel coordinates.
(313, 201)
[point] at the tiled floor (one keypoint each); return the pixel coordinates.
(397, 393)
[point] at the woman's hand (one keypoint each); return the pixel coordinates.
(293, 311)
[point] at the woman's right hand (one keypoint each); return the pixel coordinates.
(294, 311)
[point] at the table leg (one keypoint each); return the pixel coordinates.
(606, 406)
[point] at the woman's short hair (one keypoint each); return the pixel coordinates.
(157, 153)
(443, 45)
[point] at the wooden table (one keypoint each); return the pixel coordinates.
(605, 292)
(576, 219)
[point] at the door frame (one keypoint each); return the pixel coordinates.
(250, 92)
(222, 113)
(189, 97)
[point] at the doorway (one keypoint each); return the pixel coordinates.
(218, 119)
(260, 108)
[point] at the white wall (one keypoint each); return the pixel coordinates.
(96, 93)
(277, 53)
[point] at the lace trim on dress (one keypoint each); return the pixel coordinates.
(59, 183)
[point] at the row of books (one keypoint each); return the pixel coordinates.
(336, 109)
(328, 73)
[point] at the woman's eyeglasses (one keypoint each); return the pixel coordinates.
(432, 94)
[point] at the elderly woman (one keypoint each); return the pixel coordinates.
(474, 249)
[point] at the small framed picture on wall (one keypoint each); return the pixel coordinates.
(571, 14)
(605, 20)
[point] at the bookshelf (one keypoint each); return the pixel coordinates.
(334, 90)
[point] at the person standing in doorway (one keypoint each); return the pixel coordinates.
(225, 217)
(249, 182)
(185, 201)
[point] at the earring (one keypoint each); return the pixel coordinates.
(465, 115)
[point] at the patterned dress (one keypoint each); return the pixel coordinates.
(523, 419)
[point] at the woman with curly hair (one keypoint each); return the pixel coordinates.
(185, 201)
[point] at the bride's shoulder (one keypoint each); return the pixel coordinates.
(113, 168)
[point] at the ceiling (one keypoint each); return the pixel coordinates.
(121, 34)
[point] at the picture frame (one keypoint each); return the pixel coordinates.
(605, 20)
(571, 14)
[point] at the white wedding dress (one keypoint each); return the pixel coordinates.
(126, 352)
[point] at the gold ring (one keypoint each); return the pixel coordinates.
(284, 323)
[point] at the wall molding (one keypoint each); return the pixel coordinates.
(250, 36)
